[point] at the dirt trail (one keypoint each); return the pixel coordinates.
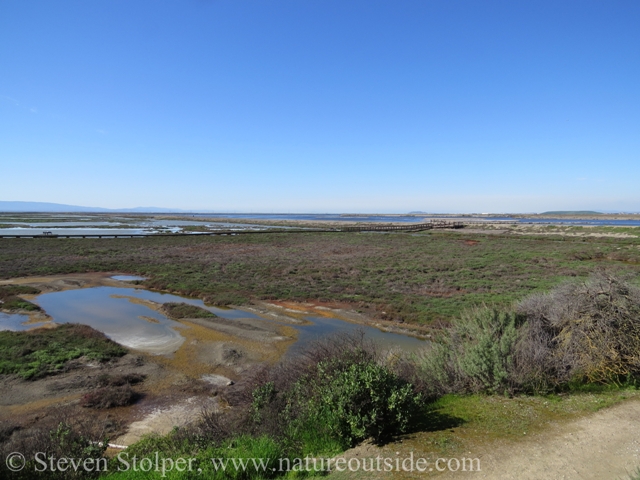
(604, 445)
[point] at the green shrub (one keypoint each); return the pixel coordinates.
(362, 400)
(262, 396)
(333, 396)
(485, 340)
(476, 354)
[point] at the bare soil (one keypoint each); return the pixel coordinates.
(603, 445)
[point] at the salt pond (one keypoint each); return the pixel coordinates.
(126, 315)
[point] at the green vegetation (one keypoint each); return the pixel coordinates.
(474, 354)
(580, 333)
(570, 350)
(10, 301)
(338, 394)
(406, 277)
(361, 401)
(36, 353)
(581, 337)
(178, 311)
(6, 290)
(66, 438)
(635, 475)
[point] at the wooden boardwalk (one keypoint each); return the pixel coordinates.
(414, 227)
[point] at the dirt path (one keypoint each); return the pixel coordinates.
(604, 445)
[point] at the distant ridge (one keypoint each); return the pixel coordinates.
(569, 212)
(62, 208)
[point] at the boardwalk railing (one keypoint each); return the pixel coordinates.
(393, 228)
(414, 227)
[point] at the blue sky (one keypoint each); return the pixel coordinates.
(322, 105)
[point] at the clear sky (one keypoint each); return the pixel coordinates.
(322, 105)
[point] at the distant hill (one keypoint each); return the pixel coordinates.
(60, 207)
(577, 212)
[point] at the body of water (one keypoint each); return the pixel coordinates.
(122, 315)
(143, 227)
(419, 218)
(15, 321)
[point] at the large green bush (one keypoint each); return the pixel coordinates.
(362, 400)
(475, 354)
(485, 341)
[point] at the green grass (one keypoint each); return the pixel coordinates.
(202, 466)
(36, 353)
(496, 416)
(458, 425)
(411, 277)
(635, 475)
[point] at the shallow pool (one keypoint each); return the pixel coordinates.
(121, 313)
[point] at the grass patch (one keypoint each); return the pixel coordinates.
(500, 417)
(37, 353)
(179, 311)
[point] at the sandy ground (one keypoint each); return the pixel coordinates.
(161, 420)
(604, 445)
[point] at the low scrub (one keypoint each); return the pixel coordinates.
(120, 380)
(9, 299)
(45, 351)
(178, 311)
(13, 302)
(579, 333)
(6, 290)
(65, 437)
(586, 332)
(110, 397)
(337, 394)
(475, 354)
